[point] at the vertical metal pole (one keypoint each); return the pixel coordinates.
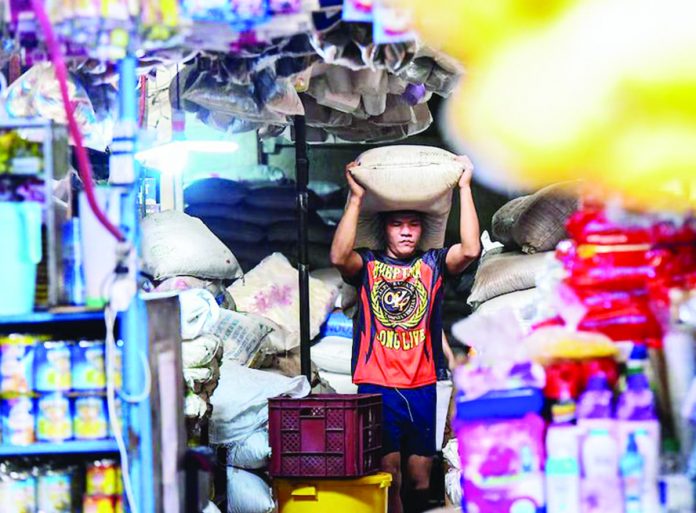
(138, 426)
(302, 179)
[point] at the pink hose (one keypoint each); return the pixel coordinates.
(83, 164)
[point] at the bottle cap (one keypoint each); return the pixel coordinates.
(639, 352)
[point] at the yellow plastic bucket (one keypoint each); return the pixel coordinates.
(361, 495)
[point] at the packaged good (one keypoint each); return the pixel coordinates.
(91, 418)
(18, 491)
(501, 446)
(118, 506)
(54, 491)
(73, 271)
(88, 366)
(562, 469)
(102, 478)
(16, 364)
(98, 504)
(18, 421)
(595, 402)
(52, 367)
(600, 486)
(632, 477)
(54, 422)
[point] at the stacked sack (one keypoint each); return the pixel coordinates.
(256, 219)
(181, 255)
(240, 424)
(527, 229)
(332, 353)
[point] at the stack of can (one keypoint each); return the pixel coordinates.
(55, 488)
(52, 390)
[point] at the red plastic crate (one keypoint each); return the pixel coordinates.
(326, 435)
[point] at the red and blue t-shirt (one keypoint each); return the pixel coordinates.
(397, 339)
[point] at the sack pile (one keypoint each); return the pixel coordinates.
(254, 220)
(240, 423)
(333, 351)
(529, 229)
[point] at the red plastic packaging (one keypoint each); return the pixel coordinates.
(326, 435)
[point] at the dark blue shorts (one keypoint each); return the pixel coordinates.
(408, 419)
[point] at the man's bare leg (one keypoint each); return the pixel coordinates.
(392, 463)
(418, 482)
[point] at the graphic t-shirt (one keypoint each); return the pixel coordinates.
(397, 339)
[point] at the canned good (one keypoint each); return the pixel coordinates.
(18, 421)
(18, 493)
(88, 366)
(52, 367)
(91, 420)
(102, 478)
(98, 504)
(54, 491)
(16, 364)
(54, 420)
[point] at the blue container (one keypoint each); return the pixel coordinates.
(88, 366)
(19, 256)
(337, 325)
(505, 404)
(52, 367)
(74, 292)
(18, 421)
(54, 418)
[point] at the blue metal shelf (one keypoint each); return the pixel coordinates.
(53, 317)
(71, 447)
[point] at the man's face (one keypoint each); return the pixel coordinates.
(403, 232)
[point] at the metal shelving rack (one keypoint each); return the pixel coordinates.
(132, 328)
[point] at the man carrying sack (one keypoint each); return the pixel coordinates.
(397, 348)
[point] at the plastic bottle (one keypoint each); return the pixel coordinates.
(637, 424)
(595, 402)
(632, 477)
(562, 469)
(600, 456)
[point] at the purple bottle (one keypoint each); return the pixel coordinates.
(595, 401)
(637, 402)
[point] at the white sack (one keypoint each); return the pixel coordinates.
(194, 406)
(197, 379)
(503, 273)
(453, 486)
(341, 383)
(333, 354)
(243, 335)
(241, 401)
(451, 454)
(200, 352)
(271, 290)
(417, 178)
(248, 493)
(175, 244)
(253, 453)
(199, 312)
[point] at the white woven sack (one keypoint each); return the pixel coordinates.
(419, 178)
(175, 244)
(333, 354)
(271, 290)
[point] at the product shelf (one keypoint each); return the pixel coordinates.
(69, 447)
(53, 316)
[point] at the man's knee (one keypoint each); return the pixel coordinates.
(419, 470)
(393, 466)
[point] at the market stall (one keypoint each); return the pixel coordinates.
(170, 301)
